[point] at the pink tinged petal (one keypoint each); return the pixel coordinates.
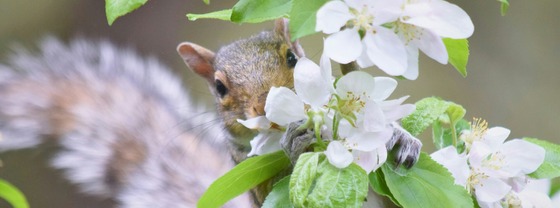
(479, 152)
(384, 86)
(491, 189)
(357, 83)
(372, 160)
(374, 119)
(443, 18)
(412, 60)
(455, 163)
(495, 137)
(432, 45)
(368, 141)
(283, 106)
(344, 46)
(522, 157)
(386, 50)
(338, 155)
(259, 122)
(530, 198)
(326, 72)
(265, 142)
(332, 16)
(309, 83)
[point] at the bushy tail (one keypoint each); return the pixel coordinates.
(123, 122)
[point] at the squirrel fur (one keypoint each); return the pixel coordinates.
(126, 127)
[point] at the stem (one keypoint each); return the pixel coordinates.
(349, 67)
(454, 132)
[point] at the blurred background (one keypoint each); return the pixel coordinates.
(512, 81)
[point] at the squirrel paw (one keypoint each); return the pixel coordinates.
(408, 146)
(295, 141)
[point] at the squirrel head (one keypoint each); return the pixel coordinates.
(241, 74)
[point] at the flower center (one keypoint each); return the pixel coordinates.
(363, 20)
(354, 103)
(475, 179)
(478, 129)
(407, 31)
(494, 161)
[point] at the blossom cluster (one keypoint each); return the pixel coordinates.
(353, 115)
(494, 171)
(389, 33)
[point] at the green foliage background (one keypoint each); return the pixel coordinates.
(512, 72)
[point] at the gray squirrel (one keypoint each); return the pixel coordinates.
(126, 126)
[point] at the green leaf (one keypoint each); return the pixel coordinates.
(427, 111)
(504, 7)
(335, 187)
(551, 165)
(443, 136)
(426, 185)
(455, 112)
(302, 178)
(303, 17)
(243, 177)
(206, 1)
(458, 50)
(279, 196)
(254, 11)
(378, 184)
(221, 15)
(117, 8)
(12, 195)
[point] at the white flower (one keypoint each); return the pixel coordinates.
(313, 85)
(366, 127)
(267, 141)
(423, 24)
(379, 45)
(492, 169)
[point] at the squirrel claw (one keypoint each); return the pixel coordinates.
(295, 141)
(408, 146)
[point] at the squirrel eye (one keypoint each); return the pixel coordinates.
(291, 59)
(221, 88)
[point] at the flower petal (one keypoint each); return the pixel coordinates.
(398, 112)
(495, 137)
(356, 83)
(432, 45)
(374, 119)
(326, 72)
(344, 46)
(265, 142)
(283, 106)
(259, 122)
(455, 163)
(522, 157)
(386, 50)
(309, 83)
(530, 198)
(338, 155)
(412, 60)
(491, 189)
(384, 86)
(445, 19)
(368, 141)
(372, 160)
(332, 16)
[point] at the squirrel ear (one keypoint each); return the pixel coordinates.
(198, 59)
(281, 27)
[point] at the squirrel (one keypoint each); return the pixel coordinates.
(125, 123)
